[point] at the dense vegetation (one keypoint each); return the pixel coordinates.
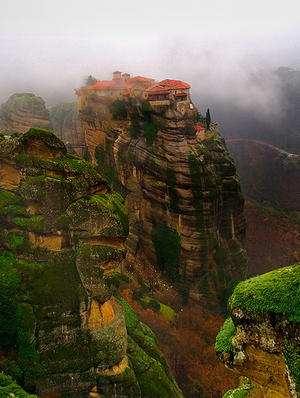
(118, 110)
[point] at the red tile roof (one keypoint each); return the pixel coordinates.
(174, 84)
(141, 79)
(157, 89)
(199, 128)
(110, 85)
(179, 94)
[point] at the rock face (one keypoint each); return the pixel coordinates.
(22, 111)
(66, 124)
(184, 197)
(63, 331)
(261, 339)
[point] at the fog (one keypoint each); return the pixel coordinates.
(228, 51)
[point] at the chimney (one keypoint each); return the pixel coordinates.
(117, 75)
(126, 76)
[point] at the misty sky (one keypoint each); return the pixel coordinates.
(49, 46)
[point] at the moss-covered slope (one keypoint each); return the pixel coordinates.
(261, 339)
(62, 331)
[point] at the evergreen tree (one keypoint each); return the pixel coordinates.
(208, 118)
(90, 80)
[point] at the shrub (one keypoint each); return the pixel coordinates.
(150, 132)
(113, 280)
(167, 245)
(184, 292)
(89, 114)
(118, 110)
(134, 129)
(154, 305)
(172, 192)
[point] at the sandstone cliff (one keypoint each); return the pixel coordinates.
(64, 330)
(260, 340)
(183, 193)
(22, 111)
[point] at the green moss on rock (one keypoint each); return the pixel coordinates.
(239, 392)
(9, 282)
(34, 223)
(224, 337)
(146, 341)
(100, 254)
(66, 165)
(150, 374)
(9, 388)
(292, 360)
(57, 283)
(46, 136)
(8, 198)
(114, 202)
(27, 345)
(53, 194)
(276, 292)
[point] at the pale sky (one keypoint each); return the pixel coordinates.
(48, 47)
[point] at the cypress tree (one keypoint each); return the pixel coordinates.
(208, 118)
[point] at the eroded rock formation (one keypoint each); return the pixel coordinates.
(261, 339)
(64, 331)
(184, 197)
(22, 111)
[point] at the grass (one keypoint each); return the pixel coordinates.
(224, 337)
(276, 291)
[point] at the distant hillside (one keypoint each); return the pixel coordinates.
(280, 126)
(267, 174)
